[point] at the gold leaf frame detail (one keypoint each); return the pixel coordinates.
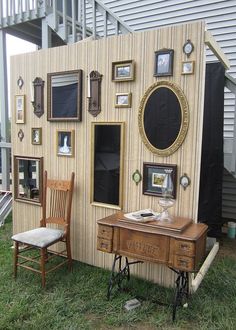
(184, 117)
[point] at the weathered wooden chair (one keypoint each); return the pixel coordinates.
(57, 201)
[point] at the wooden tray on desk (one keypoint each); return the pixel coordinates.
(178, 224)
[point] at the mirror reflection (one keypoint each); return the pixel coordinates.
(163, 118)
(64, 95)
(28, 177)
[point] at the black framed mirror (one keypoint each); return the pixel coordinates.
(64, 96)
(107, 164)
(163, 118)
(28, 173)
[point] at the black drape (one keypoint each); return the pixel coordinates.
(210, 194)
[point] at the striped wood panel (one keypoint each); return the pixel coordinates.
(99, 55)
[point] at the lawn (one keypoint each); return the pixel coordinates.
(77, 300)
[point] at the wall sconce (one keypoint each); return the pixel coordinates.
(94, 93)
(37, 96)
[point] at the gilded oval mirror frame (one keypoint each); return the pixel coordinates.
(182, 100)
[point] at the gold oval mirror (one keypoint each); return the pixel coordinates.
(163, 118)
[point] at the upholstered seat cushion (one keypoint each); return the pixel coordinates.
(39, 237)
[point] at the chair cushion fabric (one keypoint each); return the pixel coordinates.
(39, 237)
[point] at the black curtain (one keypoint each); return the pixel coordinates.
(212, 161)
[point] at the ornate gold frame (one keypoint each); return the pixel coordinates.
(184, 123)
(122, 136)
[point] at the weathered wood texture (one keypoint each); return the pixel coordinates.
(99, 55)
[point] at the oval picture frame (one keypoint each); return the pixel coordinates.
(184, 118)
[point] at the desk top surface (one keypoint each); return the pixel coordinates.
(186, 229)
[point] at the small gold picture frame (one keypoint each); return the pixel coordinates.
(123, 71)
(20, 109)
(188, 67)
(123, 100)
(65, 143)
(36, 135)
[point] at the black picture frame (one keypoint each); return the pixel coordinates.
(164, 59)
(152, 173)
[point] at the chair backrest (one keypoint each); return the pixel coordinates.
(57, 200)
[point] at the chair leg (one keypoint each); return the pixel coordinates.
(68, 249)
(43, 254)
(16, 251)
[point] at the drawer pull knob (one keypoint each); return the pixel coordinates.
(184, 246)
(183, 263)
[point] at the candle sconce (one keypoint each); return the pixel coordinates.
(94, 93)
(37, 96)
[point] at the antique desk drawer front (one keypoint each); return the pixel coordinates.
(105, 232)
(184, 263)
(104, 245)
(151, 247)
(184, 248)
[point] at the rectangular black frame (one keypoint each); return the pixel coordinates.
(153, 168)
(164, 59)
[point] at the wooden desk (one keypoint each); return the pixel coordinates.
(179, 245)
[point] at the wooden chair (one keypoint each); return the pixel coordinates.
(57, 200)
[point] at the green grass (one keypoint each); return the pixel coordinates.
(77, 300)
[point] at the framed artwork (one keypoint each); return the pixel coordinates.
(20, 109)
(65, 143)
(64, 96)
(154, 176)
(188, 67)
(123, 71)
(164, 62)
(36, 135)
(123, 100)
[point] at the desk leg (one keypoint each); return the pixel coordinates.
(116, 278)
(182, 290)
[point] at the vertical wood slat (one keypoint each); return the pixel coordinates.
(94, 19)
(55, 17)
(64, 14)
(105, 24)
(84, 18)
(73, 21)
(99, 55)
(1, 13)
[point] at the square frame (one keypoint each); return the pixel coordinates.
(20, 109)
(164, 59)
(123, 71)
(65, 141)
(36, 135)
(153, 177)
(188, 67)
(123, 100)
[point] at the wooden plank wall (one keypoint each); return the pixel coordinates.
(99, 55)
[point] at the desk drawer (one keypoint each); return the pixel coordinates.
(105, 232)
(183, 263)
(184, 248)
(104, 245)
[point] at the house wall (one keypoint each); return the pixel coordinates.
(99, 55)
